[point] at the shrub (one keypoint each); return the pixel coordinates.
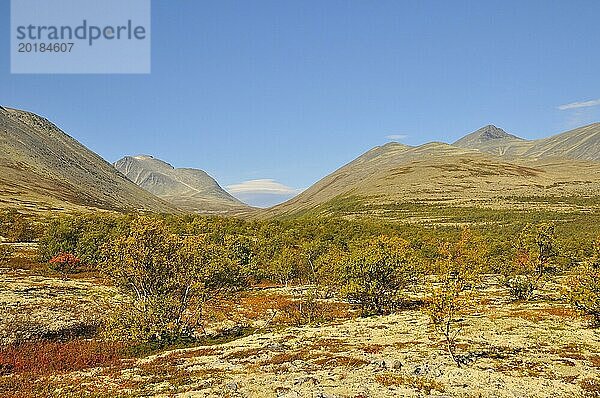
(65, 263)
(285, 265)
(328, 272)
(6, 253)
(16, 227)
(373, 274)
(60, 236)
(583, 289)
(520, 287)
(47, 358)
(536, 252)
(584, 294)
(166, 281)
(305, 311)
(453, 297)
(81, 235)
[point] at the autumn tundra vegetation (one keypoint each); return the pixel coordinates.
(169, 274)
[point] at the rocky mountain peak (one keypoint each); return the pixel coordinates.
(485, 135)
(491, 132)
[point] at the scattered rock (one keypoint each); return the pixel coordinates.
(274, 346)
(306, 379)
(427, 370)
(321, 394)
(232, 386)
(379, 364)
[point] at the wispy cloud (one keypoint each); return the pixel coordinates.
(581, 104)
(264, 192)
(265, 185)
(396, 136)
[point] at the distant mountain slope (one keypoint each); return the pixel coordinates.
(189, 189)
(580, 144)
(443, 174)
(41, 168)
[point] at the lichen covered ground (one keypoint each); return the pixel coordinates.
(510, 349)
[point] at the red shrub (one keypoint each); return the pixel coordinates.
(65, 263)
(45, 358)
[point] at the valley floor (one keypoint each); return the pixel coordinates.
(536, 349)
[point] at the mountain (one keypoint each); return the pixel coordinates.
(189, 189)
(501, 168)
(42, 168)
(580, 144)
(493, 140)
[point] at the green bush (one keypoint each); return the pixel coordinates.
(81, 235)
(584, 293)
(536, 253)
(166, 280)
(16, 227)
(60, 236)
(520, 286)
(373, 274)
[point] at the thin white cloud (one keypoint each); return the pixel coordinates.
(396, 136)
(581, 104)
(262, 186)
(264, 192)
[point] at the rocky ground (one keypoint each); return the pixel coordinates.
(536, 349)
(519, 351)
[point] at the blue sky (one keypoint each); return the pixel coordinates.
(287, 91)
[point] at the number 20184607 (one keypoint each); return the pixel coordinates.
(45, 47)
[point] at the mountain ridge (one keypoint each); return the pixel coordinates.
(43, 167)
(582, 143)
(486, 168)
(187, 188)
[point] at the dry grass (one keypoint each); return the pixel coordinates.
(174, 372)
(330, 345)
(520, 367)
(373, 348)
(563, 312)
(282, 309)
(595, 360)
(30, 386)
(529, 315)
(590, 387)
(243, 354)
(340, 361)
(285, 357)
(570, 351)
(177, 358)
(406, 345)
(538, 314)
(19, 265)
(27, 265)
(31, 369)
